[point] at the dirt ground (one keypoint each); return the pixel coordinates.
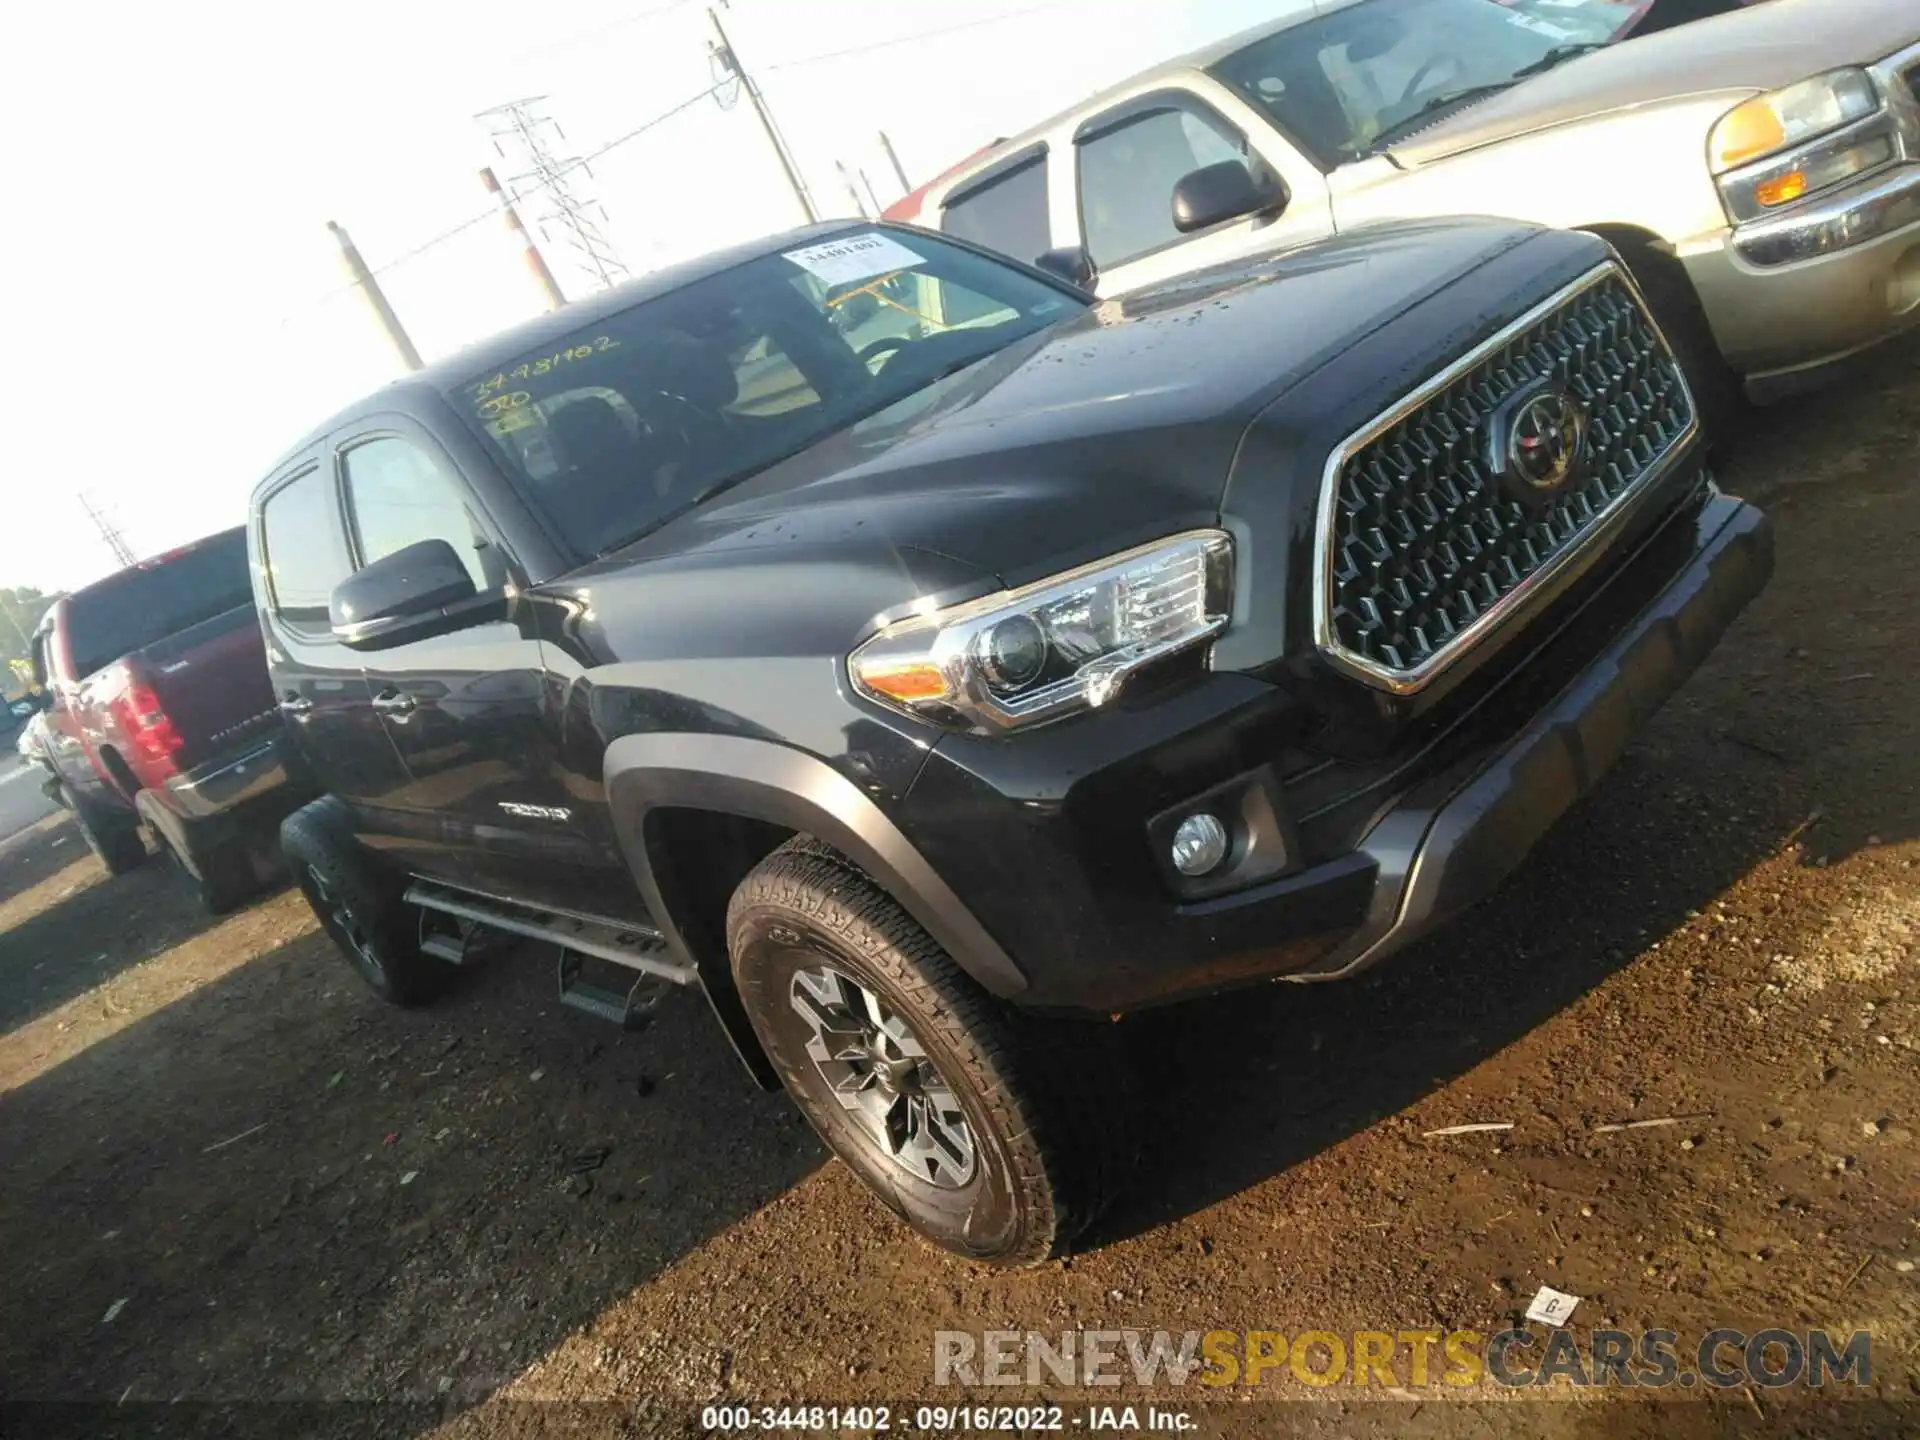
(231, 1177)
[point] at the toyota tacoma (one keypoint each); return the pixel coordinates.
(929, 686)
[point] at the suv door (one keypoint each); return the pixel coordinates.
(300, 550)
(484, 803)
(1129, 157)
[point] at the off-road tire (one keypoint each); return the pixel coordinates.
(1041, 1097)
(117, 844)
(360, 909)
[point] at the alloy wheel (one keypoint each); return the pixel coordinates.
(340, 918)
(880, 1073)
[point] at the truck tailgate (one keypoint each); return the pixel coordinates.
(212, 683)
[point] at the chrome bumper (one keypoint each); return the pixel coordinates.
(1840, 223)
(228, 784)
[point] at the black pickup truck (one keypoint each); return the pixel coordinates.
(927, 661)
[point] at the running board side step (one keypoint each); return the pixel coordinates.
(633, 946)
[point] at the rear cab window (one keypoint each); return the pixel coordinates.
(145, 604)
(302, 549)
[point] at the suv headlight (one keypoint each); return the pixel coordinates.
(1067, 643)
(1770, 123)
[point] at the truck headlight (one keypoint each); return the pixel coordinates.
(1048, 649)
(1770, 123)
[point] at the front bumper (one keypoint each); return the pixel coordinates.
(1793, 295)
(1068, 889)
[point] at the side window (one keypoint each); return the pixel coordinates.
(1128, 171)
(399, 494)
(1008, 213)
(302, 549)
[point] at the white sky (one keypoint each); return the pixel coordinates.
(170, 169)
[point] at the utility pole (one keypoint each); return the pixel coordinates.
(567, 208)
(899, 170)
(109, 532)
(536, 262)
(362, 278)
(846, 179)
(730, 59)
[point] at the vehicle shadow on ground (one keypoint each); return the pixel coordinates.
(300, 1192)
(1796, 736)
(37, 853)
(100, 927)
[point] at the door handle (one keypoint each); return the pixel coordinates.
(394, 702)
(293, 704)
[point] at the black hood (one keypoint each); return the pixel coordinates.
(1117, 425)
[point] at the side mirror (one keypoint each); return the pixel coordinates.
(1226, 191)
(1072, 264)
(412, 594)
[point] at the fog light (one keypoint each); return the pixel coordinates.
(1199, 845)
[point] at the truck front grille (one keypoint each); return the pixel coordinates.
(1423, 547)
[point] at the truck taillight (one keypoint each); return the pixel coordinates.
(148, 729)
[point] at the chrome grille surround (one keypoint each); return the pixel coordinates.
(1598, 338)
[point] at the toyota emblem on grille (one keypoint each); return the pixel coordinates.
(1539, 439)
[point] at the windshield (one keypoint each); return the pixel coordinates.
(625, 422)
(1339, 83)
(143, 605)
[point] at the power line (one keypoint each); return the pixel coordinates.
(485, 215)
(573, 214)
(607, 29)
(109, 532)
(920, 35)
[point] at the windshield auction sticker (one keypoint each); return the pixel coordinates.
(854, 257)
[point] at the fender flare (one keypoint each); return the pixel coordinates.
(761, 780)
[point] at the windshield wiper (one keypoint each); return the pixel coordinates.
(1409, 123)
(1559, 55)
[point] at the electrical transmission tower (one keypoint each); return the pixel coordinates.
(519, 124)
(109, 532)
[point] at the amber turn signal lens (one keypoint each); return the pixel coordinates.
(1790, 186)
(907, 683)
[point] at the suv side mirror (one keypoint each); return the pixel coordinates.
(1225, 191)
(415, 593)
(1072, 264)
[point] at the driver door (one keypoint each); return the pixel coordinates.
(483, 803)
(1128, 159)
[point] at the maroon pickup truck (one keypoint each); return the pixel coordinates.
(160, 717)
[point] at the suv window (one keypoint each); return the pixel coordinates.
(399, 493)
(157, 598)
(615, 428)
(302, 549)
(1129, 169)
(1008, 213)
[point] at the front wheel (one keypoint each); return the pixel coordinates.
(987, 1131)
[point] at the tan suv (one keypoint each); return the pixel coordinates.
(1759, 170)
